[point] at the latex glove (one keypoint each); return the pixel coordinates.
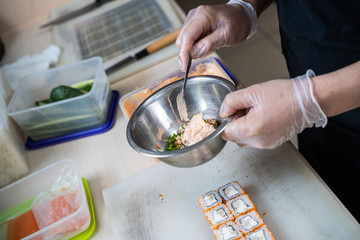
(278, 110)
(208, 28)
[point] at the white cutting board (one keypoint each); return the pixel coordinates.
(297, 204)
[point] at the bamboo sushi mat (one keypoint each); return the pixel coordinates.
(121, 29)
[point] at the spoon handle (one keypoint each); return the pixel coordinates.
(188, 65)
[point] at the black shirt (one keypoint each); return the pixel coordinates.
(324, 35)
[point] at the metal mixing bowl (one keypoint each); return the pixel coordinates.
(157, 117)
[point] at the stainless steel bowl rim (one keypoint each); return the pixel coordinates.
(164, 154)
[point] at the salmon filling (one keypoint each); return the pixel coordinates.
(195, 131)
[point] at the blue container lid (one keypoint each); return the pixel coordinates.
(32, 145)
(227, 71)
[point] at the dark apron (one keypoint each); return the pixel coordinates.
(324, 35)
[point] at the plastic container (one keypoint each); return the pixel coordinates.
(32, 145)
(13, 161)
(67, 116)
(18, 197)
(205, 66)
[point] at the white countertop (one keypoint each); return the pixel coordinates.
(107, 159)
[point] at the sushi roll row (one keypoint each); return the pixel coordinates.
(232, 214)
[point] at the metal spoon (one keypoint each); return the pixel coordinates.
(180, 100)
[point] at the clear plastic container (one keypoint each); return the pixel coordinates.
(67, 116)
(205, 66)
(16, 199)
(13, 161)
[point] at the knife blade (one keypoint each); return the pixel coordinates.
(76, 13)
(154, 47)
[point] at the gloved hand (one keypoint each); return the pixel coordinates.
(213, 27)
(278, 110)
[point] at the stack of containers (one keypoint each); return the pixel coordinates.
(232, 214)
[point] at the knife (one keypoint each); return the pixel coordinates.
(154, 47)
(76, 13)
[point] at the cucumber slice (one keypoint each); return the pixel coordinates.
(84, 85)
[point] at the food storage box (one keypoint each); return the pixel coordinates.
(18, 199)
(205, 66)
(13, 161)
(66, 116)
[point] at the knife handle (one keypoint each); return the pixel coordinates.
(163, 42)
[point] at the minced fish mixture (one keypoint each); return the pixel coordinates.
(196, 130)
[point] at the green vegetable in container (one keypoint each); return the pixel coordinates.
(42, 102)
(84, 85)
(63, 92)
(61, 120)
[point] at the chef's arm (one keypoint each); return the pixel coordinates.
(259, 5)
(338, 91)
(281, 108)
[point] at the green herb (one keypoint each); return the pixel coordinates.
(171, 140)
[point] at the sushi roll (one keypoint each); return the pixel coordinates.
(228, 231)
(218, 215)
(249, 222)
(210, 200)
(263, 233)
(231, 190)
(240, 205)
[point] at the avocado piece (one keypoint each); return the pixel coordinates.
(42, 102)
(64, 92)
(84, 85)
